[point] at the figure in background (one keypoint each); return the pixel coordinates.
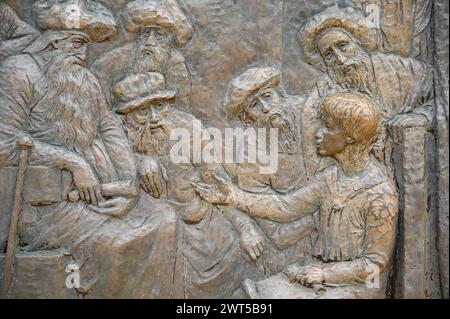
(340, 43)
(15, 34)
(257, 99)
(159, 26)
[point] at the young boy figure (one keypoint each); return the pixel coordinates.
(356, 198)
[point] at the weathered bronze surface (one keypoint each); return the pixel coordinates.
(119, 179)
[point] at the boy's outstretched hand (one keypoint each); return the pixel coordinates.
(220, 193)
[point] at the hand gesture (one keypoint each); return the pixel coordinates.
(251, 241)
(151, 176)
(220, 193)
(308, 276)
(116, 207)
(87, 184)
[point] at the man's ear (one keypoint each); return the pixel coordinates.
(349, 140)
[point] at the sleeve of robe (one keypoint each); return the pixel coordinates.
(405, 84)
(18, 77)
(115, 140)
(16, 97)
(284, 207)
(15, 34)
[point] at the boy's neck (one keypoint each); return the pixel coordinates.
(352, 161)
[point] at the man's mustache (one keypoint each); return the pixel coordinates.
(276, 120)
(150, 127)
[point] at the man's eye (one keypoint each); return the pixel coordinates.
(159, 106)
(328, 55)
(77, 45)
(142, 112)
(266, 95)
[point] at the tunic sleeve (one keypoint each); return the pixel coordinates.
(15, 99)
(284, 208)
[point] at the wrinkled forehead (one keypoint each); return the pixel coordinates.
(155, 29)
(332, 36)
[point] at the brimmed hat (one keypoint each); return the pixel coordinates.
(141, 90)
(349, 19)
(158, 13)
(87, 16)
(243, 86)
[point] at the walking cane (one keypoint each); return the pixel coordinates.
(25, 145)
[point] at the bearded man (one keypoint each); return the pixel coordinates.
(84, 181)
(258, 99)
(340, 43)
(158, 26)
(208, 262)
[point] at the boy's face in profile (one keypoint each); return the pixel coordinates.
(330, 139)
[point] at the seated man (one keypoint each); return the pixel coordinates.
(356, 198)
(208, 261)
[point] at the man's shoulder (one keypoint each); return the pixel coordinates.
(17, 67)
(183, 119)
(384, 60)
(23, 60)
(112, 60)
(176, 57)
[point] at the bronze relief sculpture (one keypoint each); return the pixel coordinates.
(169, 149)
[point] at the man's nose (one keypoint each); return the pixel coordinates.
(341, 58)
(151, 40)
(265, 106)
(154, 118)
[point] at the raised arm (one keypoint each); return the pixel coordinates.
(279, 208)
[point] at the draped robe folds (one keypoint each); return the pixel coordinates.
(209, 263)
(131, 256)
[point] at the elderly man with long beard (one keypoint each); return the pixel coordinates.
(258, 100)
(87, 183)
(340, 43)
(209, 262)
(157, 27)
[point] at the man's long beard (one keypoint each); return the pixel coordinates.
(147, 141)
(154, 61)
(65, 115)
(355, 75)
(284, 119)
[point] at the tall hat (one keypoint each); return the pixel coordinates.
(243, 86)
(138, 91)
(349, 19)
(158, 13)
(87, 16)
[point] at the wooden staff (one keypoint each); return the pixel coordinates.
(25, 145)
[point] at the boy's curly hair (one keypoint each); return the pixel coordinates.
(356, 114)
